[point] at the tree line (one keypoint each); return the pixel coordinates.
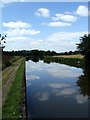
(38, 53)
(83, 47)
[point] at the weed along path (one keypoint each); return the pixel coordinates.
(13, 90)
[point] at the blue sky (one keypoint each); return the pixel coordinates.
(44, 25)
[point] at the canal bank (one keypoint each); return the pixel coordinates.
(24, 99)
(68, 60)
(14, 106)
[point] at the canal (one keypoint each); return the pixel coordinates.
(55, 90)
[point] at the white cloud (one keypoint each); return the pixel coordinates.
(58, 24)
(64, 17)
(64, 36)
(26, 42)
(82, 11)
(15, 39)
(22, 42)
(10, 1)
(60, 42)
(19, 28)
(21, 32)
(44, 12)
(17, 24)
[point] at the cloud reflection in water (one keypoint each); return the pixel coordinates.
(42, 96)
(64, 91)
(56, 70)
(59, 85)
(63, 71)
(33, 77)
(60, 88)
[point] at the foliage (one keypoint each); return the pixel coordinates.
(8, 59)
(38, 53)
(84, 46)
(3, 38)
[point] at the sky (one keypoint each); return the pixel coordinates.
(54, 26)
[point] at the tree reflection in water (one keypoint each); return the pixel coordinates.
(84, 81)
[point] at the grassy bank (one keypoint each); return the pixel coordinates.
(11, 107)
(7, 60)
(76, 62)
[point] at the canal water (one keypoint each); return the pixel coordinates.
(55, 91)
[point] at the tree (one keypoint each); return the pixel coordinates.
(84, 46)
(2, 38)
(70, 53)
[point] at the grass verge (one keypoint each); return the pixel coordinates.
(11, 108)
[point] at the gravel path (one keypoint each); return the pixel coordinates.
(9, 78)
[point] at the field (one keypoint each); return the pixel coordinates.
(72, 60)
(71, 56)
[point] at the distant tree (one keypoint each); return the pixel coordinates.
(65, 53)
(84, 46)
(70, 53)
(54, 53)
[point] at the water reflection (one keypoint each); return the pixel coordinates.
(55, 90)
(64, 92)
(81, 99)
(33, 77)
(63, 71)
(84, 80)
(42, 96)
(59, 85)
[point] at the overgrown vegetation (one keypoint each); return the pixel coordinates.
(8, 60)
(77, 62)
(11, 108)
(84, 46)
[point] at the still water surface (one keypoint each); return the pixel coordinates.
(52, 91)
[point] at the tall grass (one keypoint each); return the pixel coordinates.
(7, 60)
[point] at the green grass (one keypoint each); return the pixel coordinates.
(11, 108)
